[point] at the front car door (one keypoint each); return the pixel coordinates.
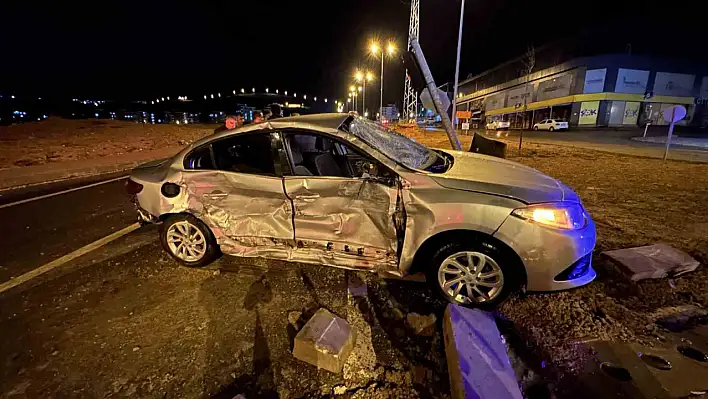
(346, 205)
(235, 186)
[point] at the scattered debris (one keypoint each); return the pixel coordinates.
(135, 349)
(423, 325)
(294, 318)
(356, 286)
(216, 272)
(653, 261)
(325, 341)
(339, 390)
(679, 318)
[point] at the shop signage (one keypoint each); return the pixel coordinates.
(516, 96)
(588, 112)
(631, 113)
(464, 114)
(554, 88)
(595, 80)
(673, 84)
(631, 81)
(495, 101)
(704, 88)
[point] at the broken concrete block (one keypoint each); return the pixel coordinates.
(325, 341)
(422, 324)
(636, 371)
(477, 360)
(357, 286)
(653, 261)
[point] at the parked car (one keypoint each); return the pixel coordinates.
(498, 125)
(551, 125)
(344, 191)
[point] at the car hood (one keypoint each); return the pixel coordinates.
(482, 173)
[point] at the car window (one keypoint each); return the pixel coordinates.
(199, 159)
(314, 154)
(245, 153)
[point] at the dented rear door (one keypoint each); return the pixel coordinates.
(345, 222)
(243, 201)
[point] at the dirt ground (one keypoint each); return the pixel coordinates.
(633, 201)
(57, 140)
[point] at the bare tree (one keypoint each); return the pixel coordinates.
(529, 63)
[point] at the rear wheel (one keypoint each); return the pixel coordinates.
(474, 274)
(189, 241)
(550, 129)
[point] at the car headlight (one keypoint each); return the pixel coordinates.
(558, 215)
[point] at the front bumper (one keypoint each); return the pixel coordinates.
(554, 259)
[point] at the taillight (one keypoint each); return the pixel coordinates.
(132, 187)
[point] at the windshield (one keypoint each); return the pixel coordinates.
(394, 145)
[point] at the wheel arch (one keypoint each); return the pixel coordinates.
(432, 243)
(163, 218)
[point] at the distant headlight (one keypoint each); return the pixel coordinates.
(558, 215)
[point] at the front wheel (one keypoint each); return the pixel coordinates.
(189, 241)
(474, 275)
(535, 128)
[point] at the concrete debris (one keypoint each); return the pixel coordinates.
(294, 318)
(357, 286)
(135, 349)
(422, 324)
(653, 261)
(339, 390)
(325, 341)
(476, 357)
(641, 372)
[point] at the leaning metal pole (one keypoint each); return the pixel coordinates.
(430, 83)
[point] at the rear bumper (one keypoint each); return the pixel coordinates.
(554, 259)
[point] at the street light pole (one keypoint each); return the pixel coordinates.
(382, 80)
(457, 65)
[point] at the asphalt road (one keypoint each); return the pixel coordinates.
(126, 320)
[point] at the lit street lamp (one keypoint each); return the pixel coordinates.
(376, 50)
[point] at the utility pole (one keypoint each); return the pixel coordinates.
(430, 83)
(410, 97)
(457, 65)
(382, 80)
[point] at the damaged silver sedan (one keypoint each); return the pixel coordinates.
(343, 191)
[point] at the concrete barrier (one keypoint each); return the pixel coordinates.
(476, 356)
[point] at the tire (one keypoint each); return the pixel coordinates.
(550, 129)
(201, 252)
(535, 128)
(510, 273)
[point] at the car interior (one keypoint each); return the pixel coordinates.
(317, 155)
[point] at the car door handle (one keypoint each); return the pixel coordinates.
(216, 194)
(307, 197)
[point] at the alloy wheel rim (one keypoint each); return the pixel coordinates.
(186, 241)
(470, 277)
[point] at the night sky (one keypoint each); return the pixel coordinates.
(143, 49)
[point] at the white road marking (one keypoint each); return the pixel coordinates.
(24, 201)
(67, 258)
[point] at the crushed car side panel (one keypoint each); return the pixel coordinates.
(248, 214)
(344, 222)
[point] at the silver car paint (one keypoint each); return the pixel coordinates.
(351, 224)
